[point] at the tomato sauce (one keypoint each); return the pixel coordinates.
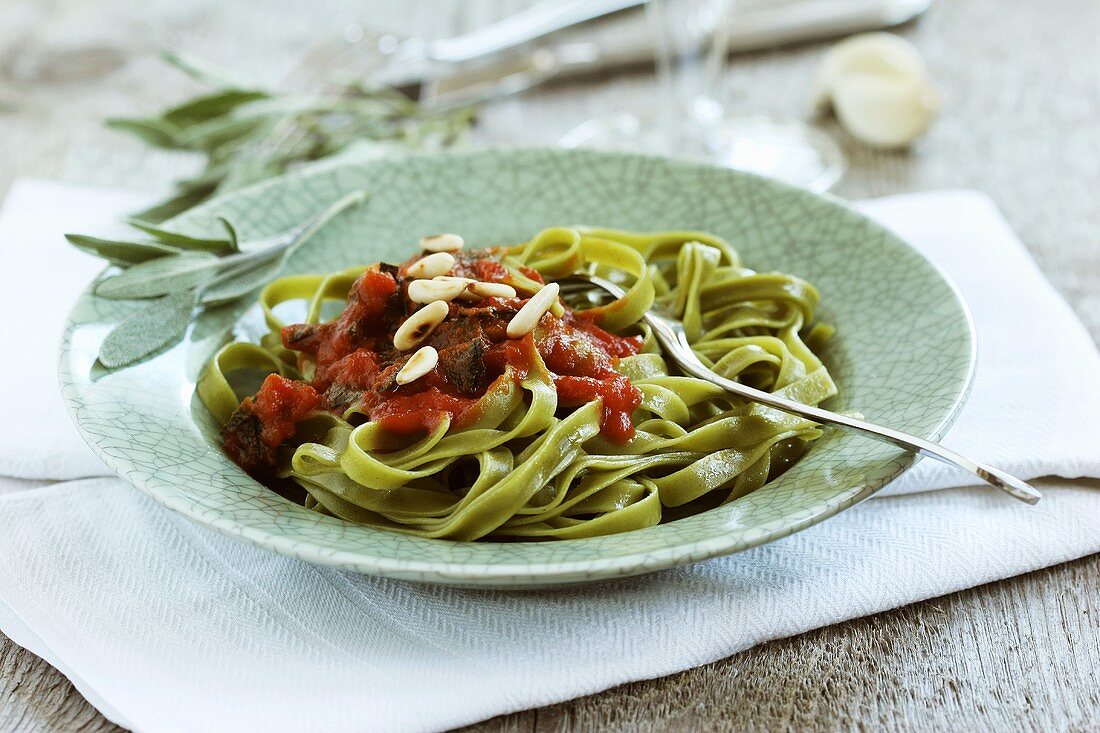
(582, 356)
(620, 399)
(482, 268)
(264, 421)
(280, 405)
(406, 414)
(354, 364)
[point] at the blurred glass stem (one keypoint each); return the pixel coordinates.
(687, 118)
(690, 46)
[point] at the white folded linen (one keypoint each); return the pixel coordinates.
(42, 276)
(165, 625)
(1036, 394)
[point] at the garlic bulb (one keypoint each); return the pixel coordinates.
(879, 88)
(885, 112)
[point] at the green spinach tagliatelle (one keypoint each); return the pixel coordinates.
(527, 469)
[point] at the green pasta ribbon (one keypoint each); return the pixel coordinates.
(526, 469)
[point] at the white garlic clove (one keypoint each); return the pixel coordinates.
(884, 111)
(881, 54)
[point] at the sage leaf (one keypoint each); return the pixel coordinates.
(156, 132)
(248, 171)
(261, 266)
(234, 240)
(175, 205)
(187, 241)
(160, 276)
(184, 279)
(239, 282)
(201, 109)
(199, 69)
(155, 326)
(120, 252)
(250, 134)
(295, 237)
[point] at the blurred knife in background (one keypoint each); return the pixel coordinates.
(620, 40)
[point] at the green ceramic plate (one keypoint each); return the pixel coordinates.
(903, 355)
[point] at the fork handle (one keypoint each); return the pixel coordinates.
(995, 477)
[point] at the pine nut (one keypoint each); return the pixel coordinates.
(425, 291)
(492, 290)
(442, 242)
(420, 325)
(464, 282)
(419, 364)
(438, 263)
(528, 316)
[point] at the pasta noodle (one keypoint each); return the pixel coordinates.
(522, 461)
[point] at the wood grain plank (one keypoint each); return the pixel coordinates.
(1016, 655)
(1019, 655)
(35, 697)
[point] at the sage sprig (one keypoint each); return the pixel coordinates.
(248, 134)
(179, 272)
(163, 242)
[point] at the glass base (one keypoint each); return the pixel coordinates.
(788, 150)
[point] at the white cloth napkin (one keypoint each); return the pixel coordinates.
(165, 625)
(42, 275)
(1036, 395)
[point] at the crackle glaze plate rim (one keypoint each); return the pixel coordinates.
(172, 457)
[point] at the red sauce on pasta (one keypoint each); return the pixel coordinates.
(355, 364)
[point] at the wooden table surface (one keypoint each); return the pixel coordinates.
(1021, 121)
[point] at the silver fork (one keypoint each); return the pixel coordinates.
(670, 333)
